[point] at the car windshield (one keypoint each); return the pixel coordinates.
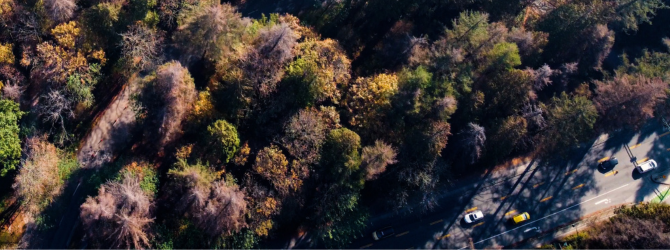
(472, 217)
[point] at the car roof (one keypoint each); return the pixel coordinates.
(521, 217)
(648, 165)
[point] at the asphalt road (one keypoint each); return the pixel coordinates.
(553, 193)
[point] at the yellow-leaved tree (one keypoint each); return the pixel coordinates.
(369, 98)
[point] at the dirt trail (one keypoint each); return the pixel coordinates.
(110, 131)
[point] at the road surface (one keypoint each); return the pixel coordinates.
(553, 193)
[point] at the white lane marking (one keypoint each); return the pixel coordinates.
(550, 215)
(605, 201)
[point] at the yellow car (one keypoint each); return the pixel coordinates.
(521, 218)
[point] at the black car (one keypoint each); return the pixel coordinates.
(383, 233)
(609, 164)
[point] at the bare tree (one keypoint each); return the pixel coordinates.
(376, 158)
(473, 139)
(54, 107)
(13, 81)
(541, 77)
(27, 28)
(119, 215)
(60, 10)
(141, 46)
(628, 100)
(177, 89)
(38, 181)
(264, 64)
(303, 136)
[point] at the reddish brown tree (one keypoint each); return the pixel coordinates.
(177, 89)
(264, 63)
(628, 101)
(38, 181)
(376, 158)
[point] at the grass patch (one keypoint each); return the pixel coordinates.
(662, 196)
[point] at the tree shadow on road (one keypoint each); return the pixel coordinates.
(545, 187)
(659, 153)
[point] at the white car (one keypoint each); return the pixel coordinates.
(474, 216)
(646, 166)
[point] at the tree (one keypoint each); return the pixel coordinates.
(190, 185)
(336, 209)
(10, 145)
(510, 136)
(225, 138)
(341, 157)
(631, 13)
(169, 11)
(304, 134)
(6, 54)
(225, 210)
(60, 10)
(321, 70)
(141, 46)
(628, 101)
(626, 232)
(376, 158)
(54, 63)
(215, 207)
(599, 41)
(369, 99)
(119, 216)
(570, 119)
(13, 82)
(272, 165)
(473, 139)
(177, 91)
(210, 32)
(506, 94)
(541, 77)
(264, 64)
(38, 180)
(54, 107)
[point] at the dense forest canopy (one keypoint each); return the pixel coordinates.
(254, 120)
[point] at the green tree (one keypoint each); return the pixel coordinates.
(321, 70)
(10, 145)
(570, 119)
(341, 156)
(224, 136)
(337, 208)
(509, 136)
